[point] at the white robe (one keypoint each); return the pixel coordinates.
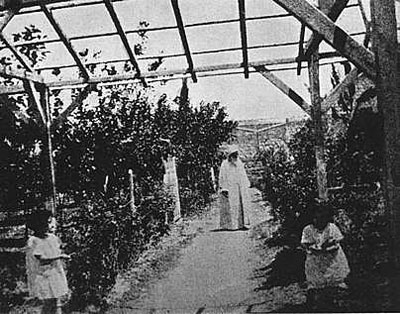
(233, 178)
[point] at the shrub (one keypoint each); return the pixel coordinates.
(106, 237)
(12, 279)
(354, 162)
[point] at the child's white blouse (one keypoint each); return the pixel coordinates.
(45, 281)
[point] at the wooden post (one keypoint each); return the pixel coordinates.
(214, 183)
(258, 140)
(51, 197)
(384, 43)
(286, 135)
(132, 190)
(313, 72)
(313, 69)
(177, 211)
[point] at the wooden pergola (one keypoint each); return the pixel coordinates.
(379, 61)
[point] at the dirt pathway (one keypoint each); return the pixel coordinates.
(216, 273)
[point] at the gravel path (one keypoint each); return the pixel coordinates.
(216, 273)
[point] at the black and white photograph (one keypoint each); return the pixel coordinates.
(199, 156)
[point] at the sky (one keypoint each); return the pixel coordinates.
(252, 98)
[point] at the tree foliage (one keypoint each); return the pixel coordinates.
(354, 163)
(116, 129)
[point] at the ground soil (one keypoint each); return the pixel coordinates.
(216, 272)
(197, 268)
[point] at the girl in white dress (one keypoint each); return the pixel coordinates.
(46, 275)
(326, 264)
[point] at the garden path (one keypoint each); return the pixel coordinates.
(216, 273)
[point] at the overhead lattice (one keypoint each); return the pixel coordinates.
(191, 38)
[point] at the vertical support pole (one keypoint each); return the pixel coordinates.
(214, 183)
(313, 70)
(132, 190)
(50, 170)
(286, 135)
(384, 43)
(258, 140)
(177, 211)
(317, 115)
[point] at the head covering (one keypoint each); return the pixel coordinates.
(232, 149)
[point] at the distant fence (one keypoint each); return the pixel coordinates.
(13, 231)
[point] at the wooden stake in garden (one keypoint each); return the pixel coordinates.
(50, 169)
(132, 190)
(385, 46)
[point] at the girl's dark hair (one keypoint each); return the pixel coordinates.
(320, 206)
(37, 219)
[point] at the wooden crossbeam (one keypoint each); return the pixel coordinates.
(6, 4)
(185, 44)
(159, 75)
(295, 97)
(333, 34)
(20, 74)
(243, 37)
(202, 52)
(124, 39)
(333, 13)
(74, 105)
(104, 36)
(66, 41)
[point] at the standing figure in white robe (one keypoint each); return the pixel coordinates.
(234, 184)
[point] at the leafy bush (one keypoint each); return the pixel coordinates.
(12, 277)
(354, 162)
(105, 237)
(118, 129)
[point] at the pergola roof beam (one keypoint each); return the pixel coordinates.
(243, 37)
(20, 74)
(334, 35)
(289, 92)
(335, 10)
(65, 41)
(31, 3)
(182, 33)
(151, 29)
(163, 76)
(124, 39)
